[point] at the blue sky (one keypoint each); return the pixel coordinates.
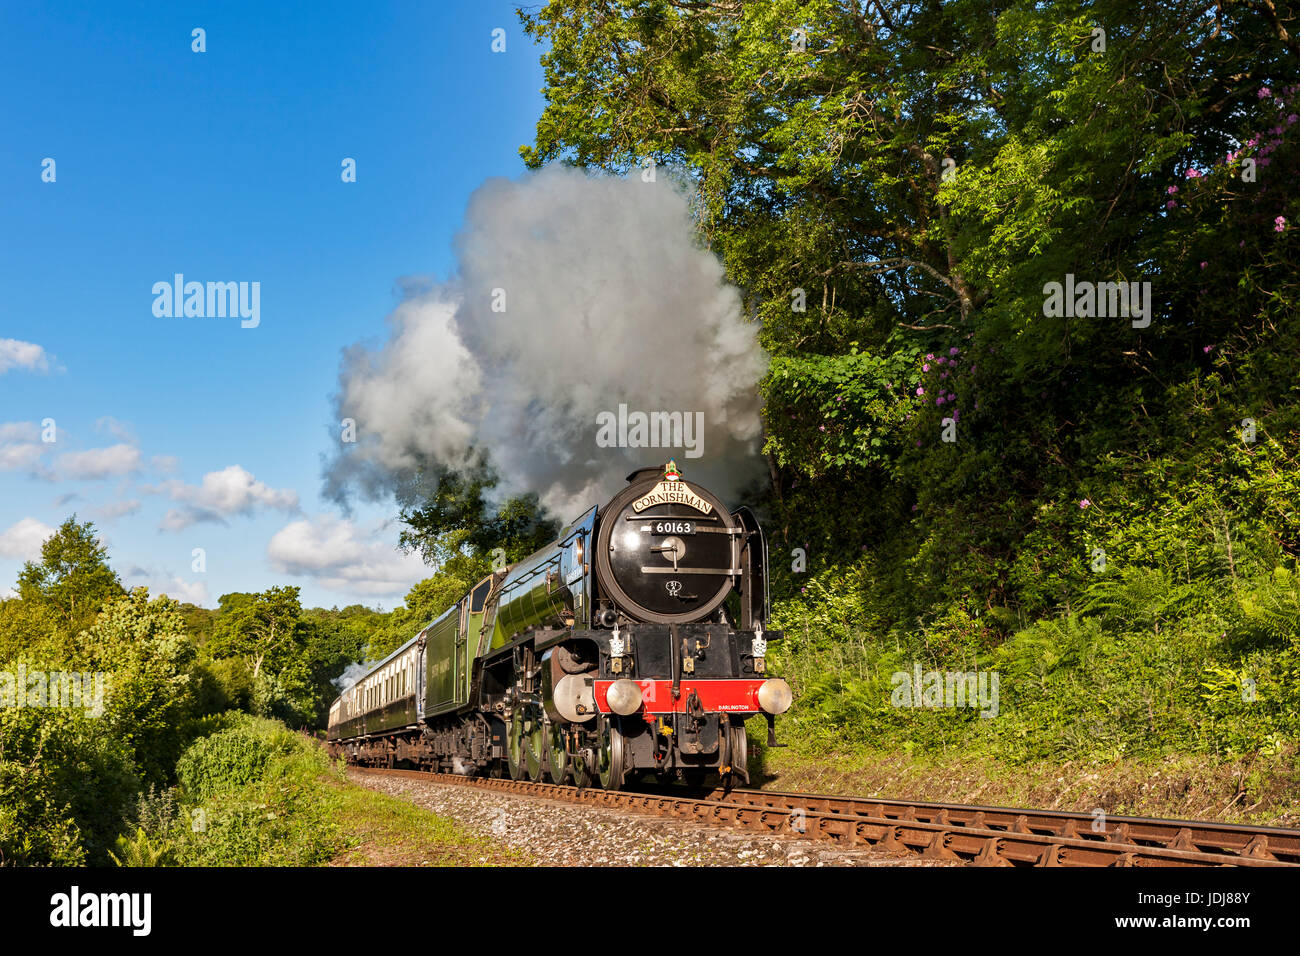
(181, 433)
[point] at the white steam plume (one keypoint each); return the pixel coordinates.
(351, 674)
(608, 299)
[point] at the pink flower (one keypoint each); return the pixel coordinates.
(1265, 92)
(1171, 190)
(930, 357)
(1279, 224)
(1291, 119)
(1193, 174)
(920, 390)
(1208, 349)
(925, 367)
(821, 428)
(1084, 503)
(1204, 264)
(939, 400)
(1171, 205)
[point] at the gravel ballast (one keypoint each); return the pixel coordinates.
(556, 833)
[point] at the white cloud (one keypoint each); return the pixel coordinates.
(20, 446)
(163, 582)
(119, 430)
(99, 462)
(19, 431)
(23, 355)
(340, 556)
(178, 519)
(23, 540)
(180, 589)
(20, 456)
(190, 592)
(221, 494)
(118, 509)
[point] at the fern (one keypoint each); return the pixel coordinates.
(1145, 597)
(1271, 610)
(142, 851)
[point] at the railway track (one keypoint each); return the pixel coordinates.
(983, 836)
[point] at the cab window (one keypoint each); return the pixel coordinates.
(479, 597)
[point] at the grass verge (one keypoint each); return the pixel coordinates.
(252, 793)
(1264, 791)
(382, 830)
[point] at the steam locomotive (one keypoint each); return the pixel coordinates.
(631, 646)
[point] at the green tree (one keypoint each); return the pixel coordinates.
(72, 579)
(917, 173)
(150, 666)
(66, 781)
(447, 514)
(426, 600)
(893, 185)
(27, 626)
(265, 629)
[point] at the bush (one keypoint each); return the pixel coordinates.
(254, 796)
(232, 758)
(66, 781)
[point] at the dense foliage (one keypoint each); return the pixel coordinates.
(1101, 508)
(251, 793)
(154, 676)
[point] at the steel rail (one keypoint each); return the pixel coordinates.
(1231, 839)
(984, 836)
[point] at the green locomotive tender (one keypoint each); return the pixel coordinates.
(632, 645)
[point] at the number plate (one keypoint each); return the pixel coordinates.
(672, 527)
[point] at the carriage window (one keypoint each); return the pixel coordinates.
(479, 596)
